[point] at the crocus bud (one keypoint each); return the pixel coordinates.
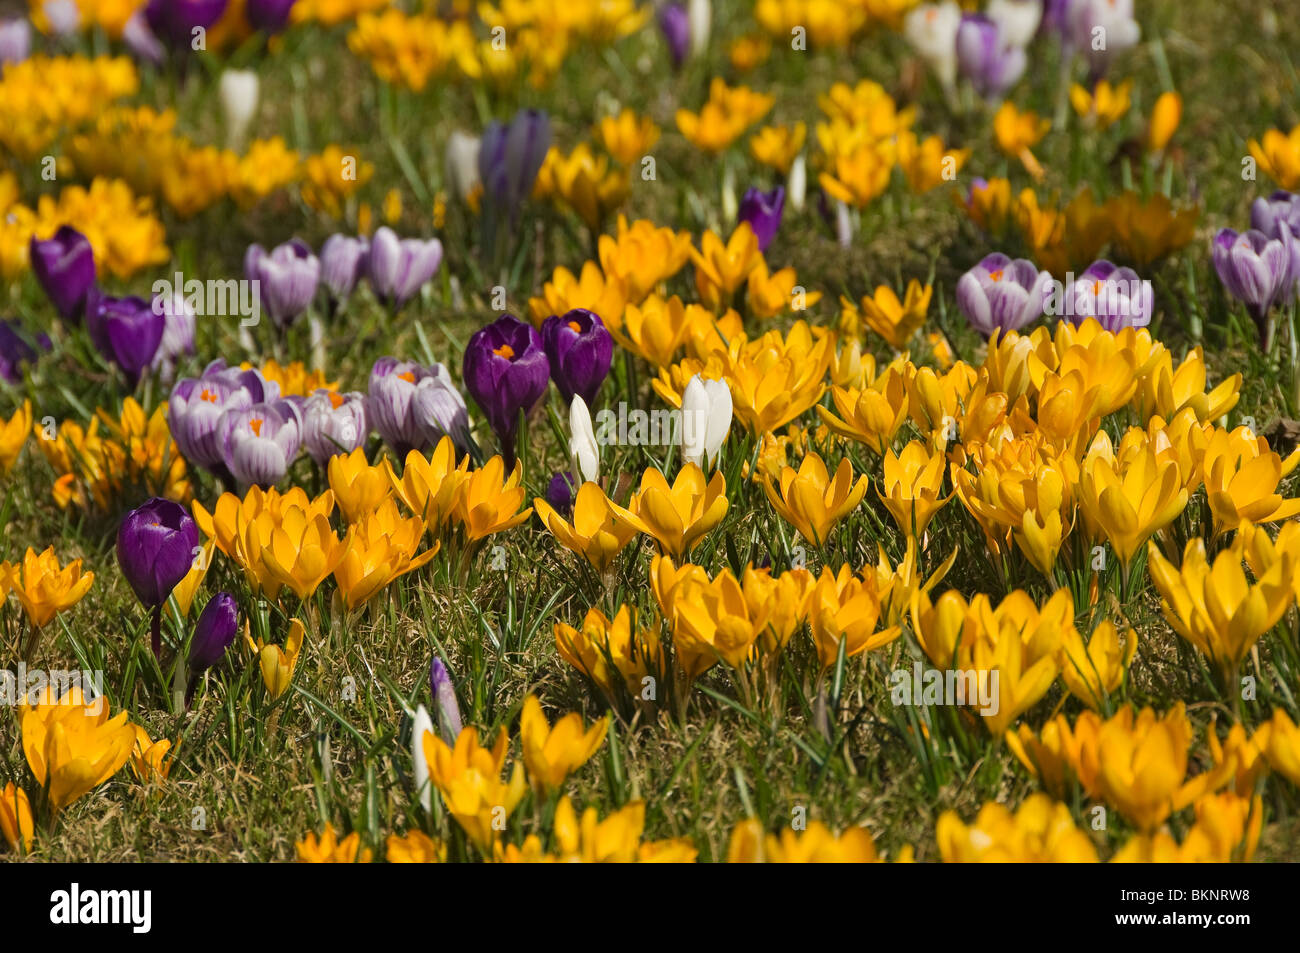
(333, 423)
(238, 90)
(412, 407)
(461, 164)
(796, 182)
(582, 442)
(1001, 294)
(706, 420)
(178, 332)
(261, 441)
(214, 632)
(156, 544)
(16, 349)
(444, 693)
(675, 24)
(287, 279)
(1255, 269)
(579, 350)
(175, 22)
(65, 267)
(986, 58)
(269, 16)
(15, 40)
(506, 371)
(931, 29)
(559, 493)
(509, 158)
(197, 405)
(763, 212)
(140, 40)
(342, 263)
(700, 15)
(398, 268)
(125, 331)
(1165, 116)
(421, 725)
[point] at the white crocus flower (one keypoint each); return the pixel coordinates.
(706, 419)
(1017, 20)
(796, 183)
(931, 29)
(460, 166)
(423, 787)
(239, 93)
(699, 14)
(582, 442)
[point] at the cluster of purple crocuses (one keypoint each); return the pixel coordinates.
(234, 423)
(1261, 266)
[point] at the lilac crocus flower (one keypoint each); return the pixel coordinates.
(1270, 215)
(64, 265)
(270, 16)
(15, 40)
(675, 24)
(579, 350)
(174, 22)
(1115, 296)
(287, 278)
(261, 441)
(63, 16)
(1001, 294)
(140, 40)
(125, 331)
(17, 349)
(178, 332)
(986, 58)
(506, 371)
(197, 405)
(412, 407)
(333, 423)
(398, 268)
(342, 263)
(509, 158)
(1256, 270)
(763, 212)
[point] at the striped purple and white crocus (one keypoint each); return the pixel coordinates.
(1001, 294)
(1257, 271)
(261, 441)
(399, 267)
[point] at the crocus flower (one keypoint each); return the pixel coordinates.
(1017, 19)
(559, 493)
(63, 16)
(333, 423)
(421, 725)
(1255, 269)
(399, 267)
(1271, 214)
(287, 279)
(178, 332)
(174, 21)
(214, 632)
(583, 448)
(706, 420)
(270, 16)
(15, 40)
(460, 164)
(444, 695)
(140, 40)
(1115, 296)
(238, 91)
(763, 212)
(509, 158)
(196, 406)
(675, 24)
(931, 29)
(261, 441)
(579, 350)
(342, 263)
(1001, 294)
(506, 371)
(1100, 29)
(413, 407)
(65, 267)
(986, 58)
(125, 331)
(16, 350)
(156, 545)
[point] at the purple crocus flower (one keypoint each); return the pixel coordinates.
(270, 16)
(1115, 296)
(1271, 214)
(333, 423)
(126, 331)
(763, 212)
(1001, 294)
(214, 632)
(398, 268)
(178, 332)
(174, 21)
(286, 277)
(197, 405)
(1256, 270)
(444, 695)
(506, 371)
(985, 58)
(156, 545)
(675, 24)
(509, 158)
(559, 493)
(342, 263)
(16, 350)
(15, 40)
(261, 441)
(413, 407)
(65, 267)
(579, 350)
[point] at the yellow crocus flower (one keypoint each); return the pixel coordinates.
(810, 501)
(913, 482)
(1279, 156)
(1132, 497)
(1165, 116)
(721, 268)
(1105, 105)
(16, 825)
(627, 136)
(73, 746)
(609, 650)
(13, 436)
(379, 549)
(358, 487)
(1093, 671)
(1242, 474)
(844, 606)
(277, 664)
(551, 754)
(468, 777)
(679, 516)
(414, 847)
(43, 587)
(600, 527)
(331, 849)
(871, 415)
(777, 146)
(897, 321)
(489, 500)
(431, 486)
(1040, 831)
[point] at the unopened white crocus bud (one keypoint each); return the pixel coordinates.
(424, 789)
(931, 29)
(582, 442)
(796, 183)
(706, 419)
(239, 91)
(461, 164)
(699, 14)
